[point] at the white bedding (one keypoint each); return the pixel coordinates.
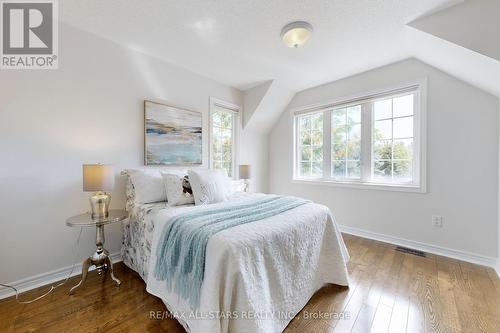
(265, 271)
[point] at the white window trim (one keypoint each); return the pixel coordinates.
(419, 132)
(236, 109)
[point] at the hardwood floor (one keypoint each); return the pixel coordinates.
(390, 291)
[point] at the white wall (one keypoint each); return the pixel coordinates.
(462, 168)
(89, 110)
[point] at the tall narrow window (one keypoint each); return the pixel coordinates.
(223, 138)
(393, 139)
(346, 142)
(372, 140)
(310, 132)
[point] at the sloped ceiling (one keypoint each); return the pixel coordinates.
(474, 25)
(463, 40)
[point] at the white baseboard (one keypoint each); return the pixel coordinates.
(46, 278)
(439, 250)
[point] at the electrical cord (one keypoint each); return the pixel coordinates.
(53, 287)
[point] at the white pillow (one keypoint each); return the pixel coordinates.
(209, 186)
(178, 189)
(147, 186)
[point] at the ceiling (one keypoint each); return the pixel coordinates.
(237, 42)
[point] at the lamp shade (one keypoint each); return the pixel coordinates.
(244, 171)
(98, 177)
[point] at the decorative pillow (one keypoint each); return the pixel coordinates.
(209, 186)
(178, 189)
(146, 186)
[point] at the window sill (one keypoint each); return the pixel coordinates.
(361, 185)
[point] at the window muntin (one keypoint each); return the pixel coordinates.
(223, 140)
(310, 147)
(372, 141)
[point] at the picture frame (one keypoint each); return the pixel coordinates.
(172, 135)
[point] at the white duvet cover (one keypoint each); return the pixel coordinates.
(258, 275)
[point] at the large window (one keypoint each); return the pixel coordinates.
(373, 140)
(223, 136)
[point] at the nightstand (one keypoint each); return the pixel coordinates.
(100, 259)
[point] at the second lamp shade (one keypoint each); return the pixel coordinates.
(244, 171)
(98, 177)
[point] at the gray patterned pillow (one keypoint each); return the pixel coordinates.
(178, 189)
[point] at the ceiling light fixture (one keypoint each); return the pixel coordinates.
(295, 34)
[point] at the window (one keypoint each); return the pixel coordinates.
(223, 136)
(311, 144)
(346, 142)
(393, 139)
(373, 141)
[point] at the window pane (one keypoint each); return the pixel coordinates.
(226, 135)
(305, 138)
(382, 150)
(317, 122)
(339, 169)
(217, 153)
(403, 106)
(402, 170)
(382, 109)
(346, 142)
(228, 166)
(316, 138)
(226, 120)
(403, 149)
(317, 169)
(339, 151)
(393, 140)
(353, 169)
(217, 119)
(305, 168)
(403, 127)
(227, 153)
(338, 117)
(382, 169)
(354, 132)
(305, 153)
(354, 150)
(222, 140)
(310, 154)
(339, 134)
(383, 129)
(354, 114)
(305, 122)
(317, 154)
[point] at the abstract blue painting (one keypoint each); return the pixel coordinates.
(173, 136)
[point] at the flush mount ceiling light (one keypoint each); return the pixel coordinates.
(295, 34)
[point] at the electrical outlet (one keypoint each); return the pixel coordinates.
(437, 221)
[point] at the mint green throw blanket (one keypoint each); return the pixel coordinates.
(181, 251)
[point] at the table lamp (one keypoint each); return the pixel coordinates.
(245, 174)
(98, 178)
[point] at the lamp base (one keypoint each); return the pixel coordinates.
(246, 184)
(99, 203)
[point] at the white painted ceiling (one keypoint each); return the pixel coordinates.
(236, 42)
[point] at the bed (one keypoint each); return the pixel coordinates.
(257, 276)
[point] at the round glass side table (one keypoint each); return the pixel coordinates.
(100, 259)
